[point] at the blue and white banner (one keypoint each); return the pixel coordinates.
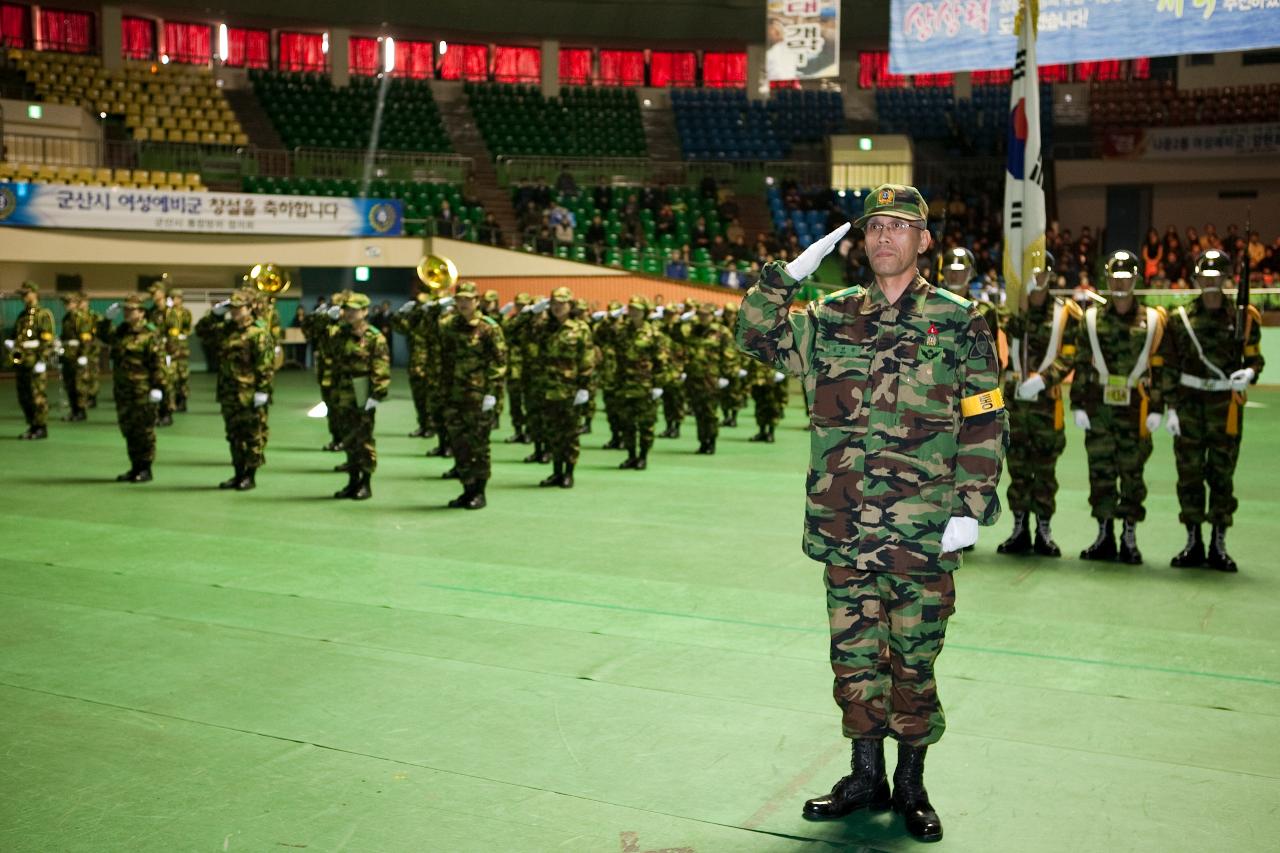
(124, 209)
(933, 36)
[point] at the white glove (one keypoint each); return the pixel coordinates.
(742, 373)
(10, 344)
(687, 316)
(182, 337)
(155, 395)
(658, 313)
(168, 302)
(334, 312)
(1153, 422)
(540, 306)
(580, 399)
(961, 532)
(1082, 419)
(779, 376)
(408, 306)
(618, 312)
(722, 383)
(445, 302)
(219, 308)
(1241, 378)
(82, 361)
(597, 315)
(370, 404)
(488, 402)
(811, 258)
(1171, 423)
(719, 312)
(507, 309)
(684, 376)
(655, 393)
(41, 367)
(113, 311)
(168, 360)
(259, 399)
(1031, 387)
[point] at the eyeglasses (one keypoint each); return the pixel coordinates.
(893, 226)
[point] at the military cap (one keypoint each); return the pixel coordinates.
(580, 304)
(491, 296)
(639, 300)
(1213, 263)
(1122, 264)
(691, 304)
(175, 291)
(704, 308)
(357, 300)
(614, 305)
(133, 300)
(338, 298)
(240, 299)
(524, 299)
(896, 200)
(467, 288)
(29, 287)
(562, 294)
(731, 307)
(68, 298)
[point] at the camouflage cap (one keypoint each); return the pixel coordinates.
(338, 298)
(614, 304)
(491, 296)
(639, 300)
(357, 300)
(524, 299)
(467, 288)
(133, 300)
(896, 200)
(176, 291)
(704, 308)
(730, 307)
(240, 299)
(28, 287)
(580, 304)
(72, 296)
(562, 294)
(691, 304)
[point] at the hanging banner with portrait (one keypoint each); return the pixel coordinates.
(803, 40)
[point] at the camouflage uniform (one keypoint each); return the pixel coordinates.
(321, 328)
(361, 371)
(473, 358)
(605, 332)
(534, 379)
(178, 333)
(673, 393)
(769, 391)
(567, 362)
(579, 313)
(137, 359)
(31, 348)
(514, 327)
(246, 367)
(158, 317)
(733, 398)
(415, 322)
(641, 362)
(709, 357)
(79, 335)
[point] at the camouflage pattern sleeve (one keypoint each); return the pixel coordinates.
(48, 334)
(587, 358)
(1084, 383)
(1170, 355)
(264, 363)
(155, 353)
(983, 434)
(379, 368)
(768, 331)
(496, 362)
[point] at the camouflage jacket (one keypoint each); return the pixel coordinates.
(33, 335)
(359, 357)
(1215, 331)
(1121, 340)
(473, 358)
(79, 330)
(566, 357)
(246, 362)
(177, 331)
(514, 328)
(709, 353)
(137, 362)
(641, 359)
(1039, 325)
(605, 334)
(420, 327)
(908, 426)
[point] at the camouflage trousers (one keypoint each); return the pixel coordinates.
(355, 425)
(612, 404)
(636, 416)
(182, 376)
(33, 396)
(703, 398)
(886, 633)
(420, 389)
(1117, 456)
(137, 419)
(167, 385)
(1206, 455)
(771, 402)
(734, 397)
(515, 395)
(469, 430)
(331, 407)
(92, 376)
(561, 420)
(247, 433)
(673, 403)
(75, 379)
(1032, 458)
(535, 412)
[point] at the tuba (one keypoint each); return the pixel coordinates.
(437, 273)
(268, 279)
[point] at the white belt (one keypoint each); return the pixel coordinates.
(1196, 382)
(72, 342)
(30, 344)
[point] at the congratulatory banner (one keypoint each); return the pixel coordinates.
(803, 39)
(125, 209)
(932, 36)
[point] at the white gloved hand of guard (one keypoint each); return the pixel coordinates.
(220, 308)
(580, 399)
(1171, 423)
(1081, 418)
(811, 258)
(1030, 387)
(113, 311)
(687, 316)
(507, 309)
(779, 376)
(961, 532)
(488, 402)
(597, 315)
(722, 383)
(10, 344)
(1241, 378)
(41, 367)
(334, 312)
(742, 373)
(655, 393)
(618, 312)
(370, 404)
(540, 306)
(259, 399)
(82, 360)
(168, 302)
(1153, 422)
(155, 395)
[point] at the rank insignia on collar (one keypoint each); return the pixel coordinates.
(931, 341)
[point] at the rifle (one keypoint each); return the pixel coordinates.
(1242, 289)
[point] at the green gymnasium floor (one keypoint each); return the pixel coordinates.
(638, 664)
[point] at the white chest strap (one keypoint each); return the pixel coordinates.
(1191, 333)
(1144, 358)
(1050, 353)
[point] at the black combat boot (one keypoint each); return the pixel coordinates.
(143, 474)
(1129, 552)
(1019, 541)
(557, 474)
(37, 432)
(451, 474)
(642, 461)
(234, 481)
(441, 449)
(866, 787)
(516, 437)
(711, 447)
(362, 491)
(180, 403)
(353, 482)
(544, 458)
(333, 446)
(1044, 544)
(614, 443)
(1218, 557)
(910, 799)
(762, 435)
(247, 480)
(536, 455)
(1104, 547)
(733, 418)
(420, 432)
(463, 499)
(127, 476)
(1192, 556)
(566, 481)
(477, 501)
(770, 438)
(630, 447)
(344, 468)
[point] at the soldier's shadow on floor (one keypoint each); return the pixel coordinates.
(65, 481)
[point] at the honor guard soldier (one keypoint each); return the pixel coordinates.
(79, 334)
(734, 396)
(567, 362)
(362, 377)
(473, 359)
(137, 372)
(1116, 400)
(908, 434)
(1042, 348)
(246, 367)
(1209, 367)
(958, 271)
(641, 362)
(31, 345)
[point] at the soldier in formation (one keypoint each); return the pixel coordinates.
(79, 353)
(563, 371)
(31, 344)
(158, 317)
(733, 398)
(178, 335)
(673, 392)
(769, 392)
(321, 330)
(709, 359)
(514, 325)
(361, 380)
(246, 367)
(416, 325)
(138, 377)
(639, 354)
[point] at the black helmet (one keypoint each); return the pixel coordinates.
(1123, 265)
(959, 258)
(1213, 264)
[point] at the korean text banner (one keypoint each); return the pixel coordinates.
(933, 36)
(803, 39)
(125, 209)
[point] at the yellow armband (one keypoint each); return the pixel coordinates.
(981, 404)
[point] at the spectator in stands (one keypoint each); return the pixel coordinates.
(561, 214)
(652, 198)
(530, 220)
(1173, 257)
(562, 229)
(1172, 269)
(299, 316)
(719, 249)
(678, 264)
(1152, 252)
(729, 276)
(447, 224)
(699, 234)
(491, 231)
(1257, 250)
(602, 195)
(736, 236)
(1209, 239)
(665, 222)
(728, 207)
(1193, 238)
(1267, 268)
(544, 244)
(594, 239)
(565, 184)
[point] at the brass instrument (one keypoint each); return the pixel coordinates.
(437, 273)
(269, 279)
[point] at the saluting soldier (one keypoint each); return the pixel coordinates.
(79, 333)
(514, 326)
(534, 372)
(733, 397)
(709, 359)
(473, 359)
(673, 393)
(413, 323)
(604, 330)
(567, 360)
(769, 392)
(908, 435)
(158, 317)
(1116, 399)
(321, 329)
(178, 335)
(641, 362)
(138, 376)
(1042, 348)
(362, 377)
(30, 344)
(246, 368)
(1208, 370)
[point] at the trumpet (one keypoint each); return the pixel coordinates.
(268, 279)
(437, 273)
